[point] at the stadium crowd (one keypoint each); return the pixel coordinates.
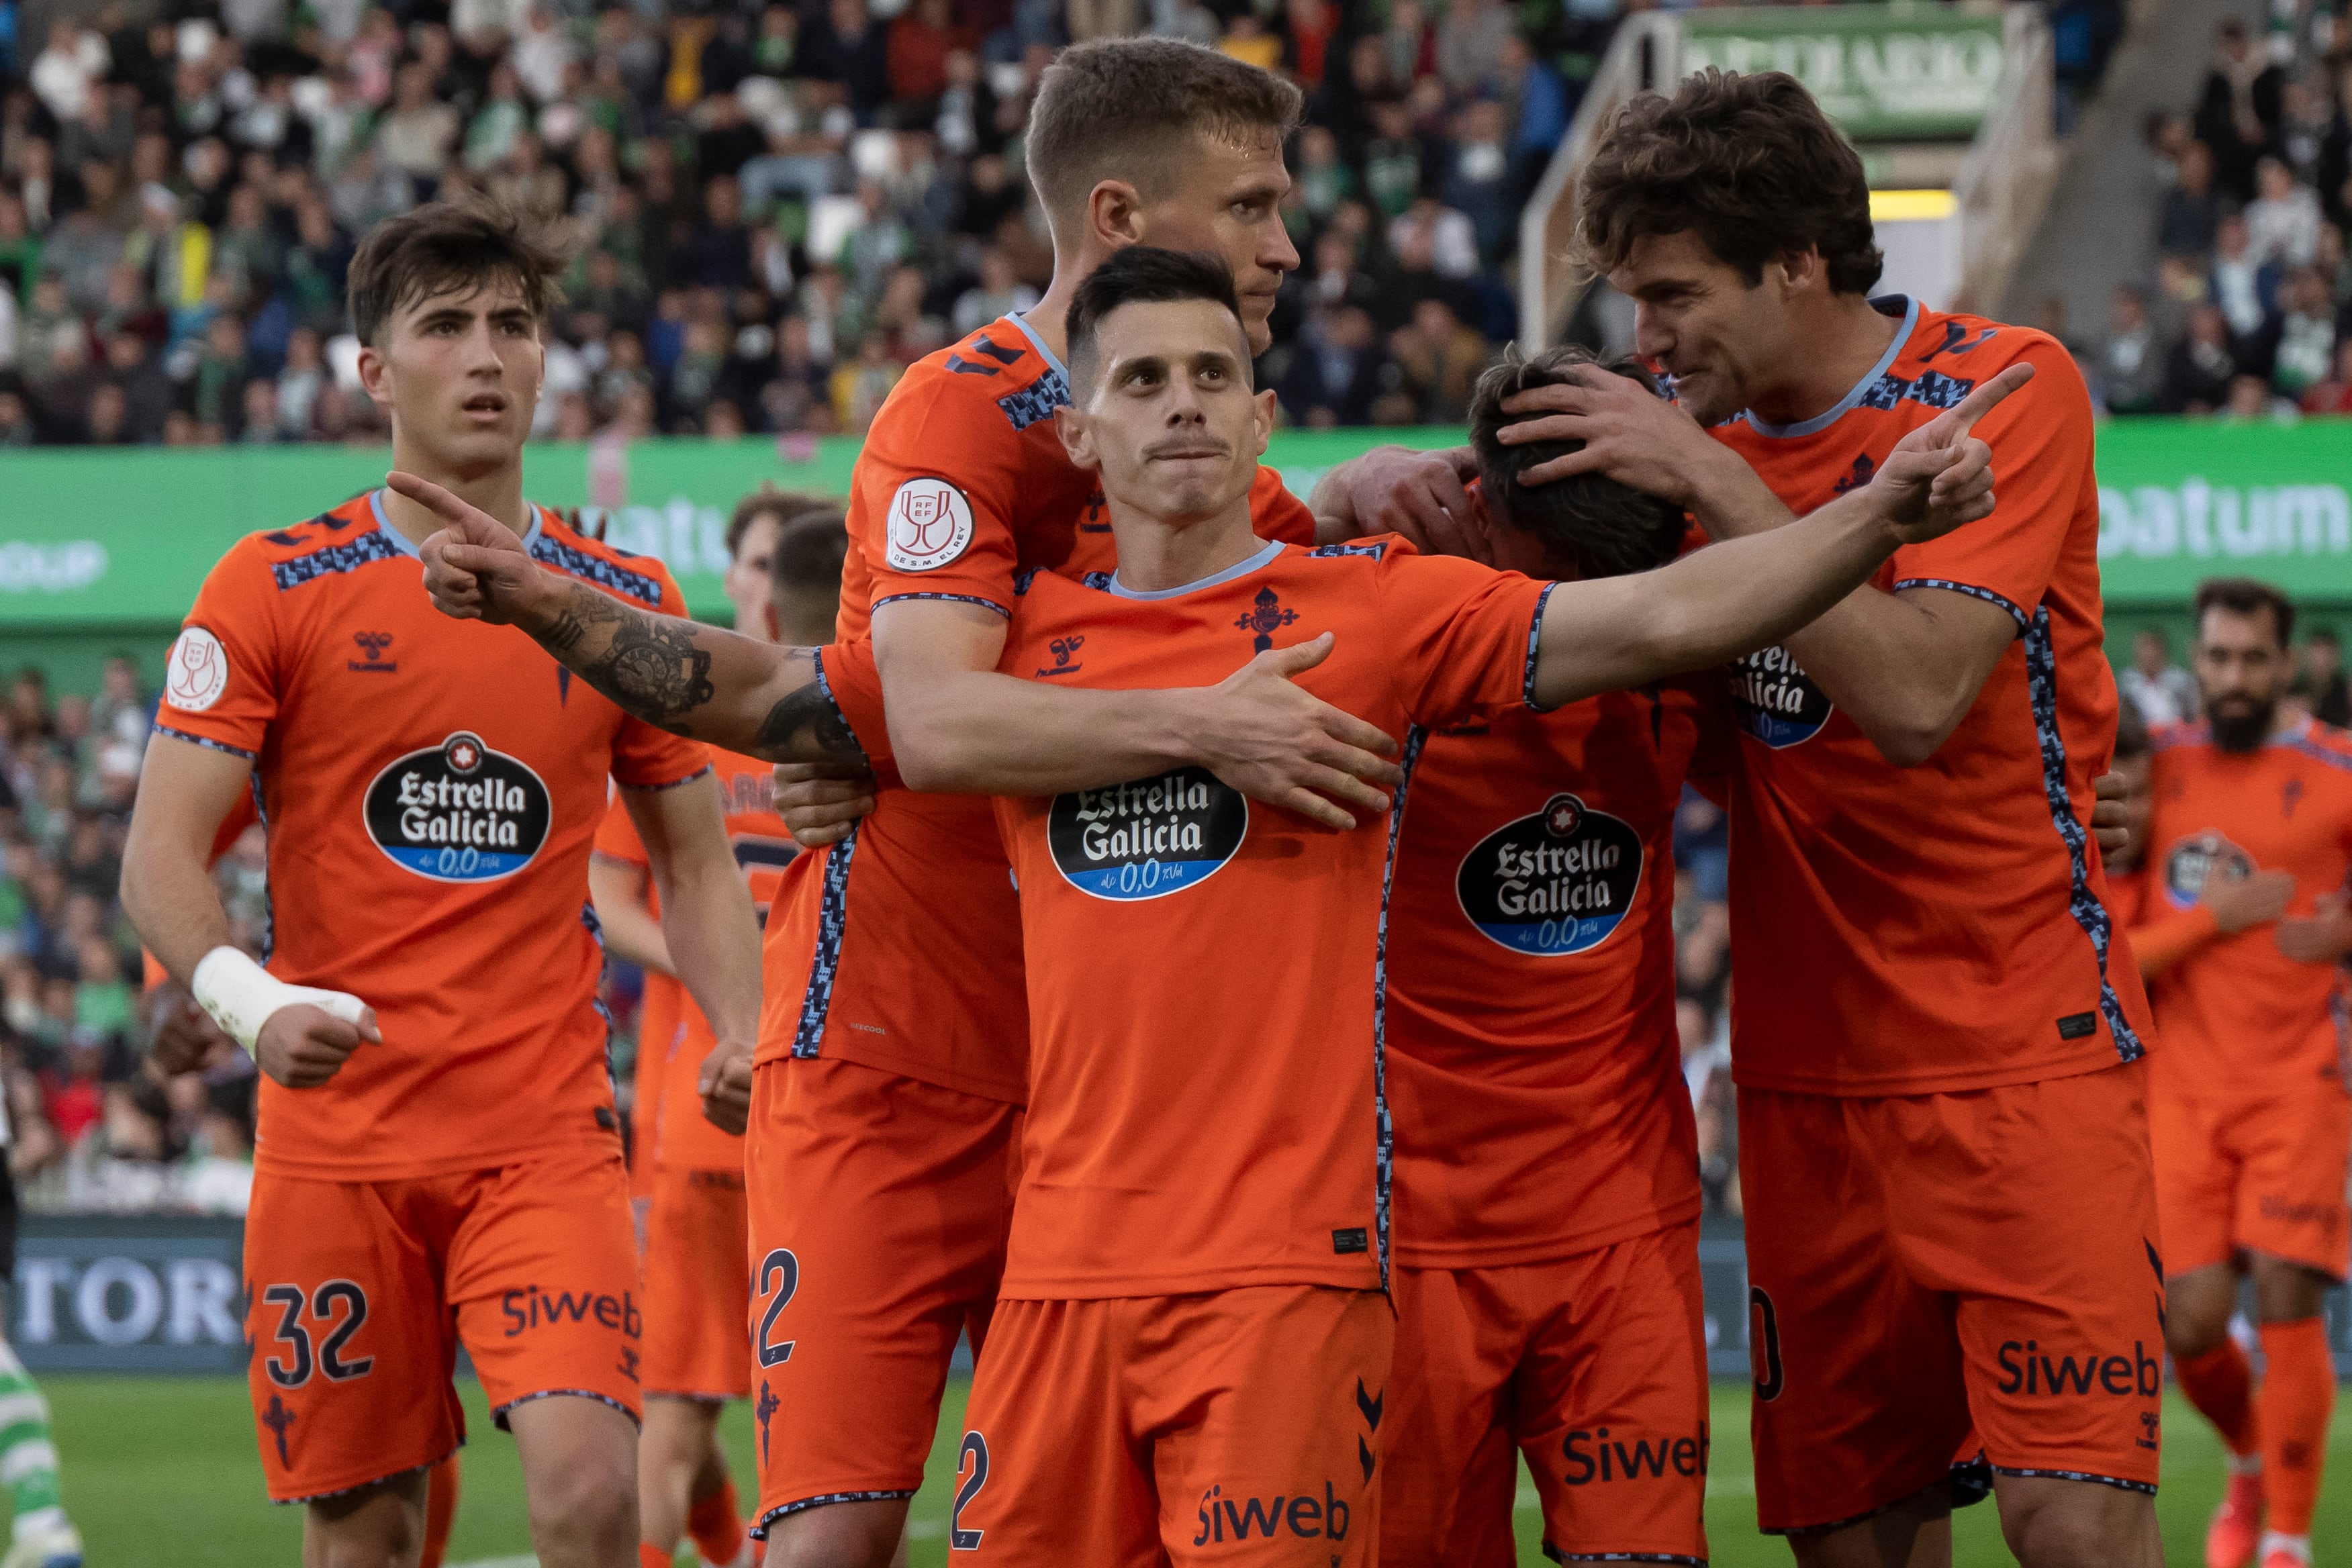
(2249, 313)
(773, 208)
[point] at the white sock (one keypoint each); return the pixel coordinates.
(40, 1522)
(2296, 1546)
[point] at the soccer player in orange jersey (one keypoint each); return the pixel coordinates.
(783, 574)
(1547, 1289)
(438, 1157)
(1927, 993)
(894, 1048)
(2249, 1107)
(1193, 1347)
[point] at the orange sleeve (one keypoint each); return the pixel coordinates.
(222, 679)
(617, 836)
(1464, 635)
(2041, 440)
(1276, 513)
(644, 757)
(2166, 940)
(933, 506)
(854, 684)
(1716, 750)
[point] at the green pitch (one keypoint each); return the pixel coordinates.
(161, 1471)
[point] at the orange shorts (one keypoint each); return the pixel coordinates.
(879, 1207)
(1918, 1260)
(697, 1287)
(1237, 1426)
(2254, 1174)
(1594, 1366)
(362, 1292)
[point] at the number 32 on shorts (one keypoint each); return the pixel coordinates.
(337, 1310)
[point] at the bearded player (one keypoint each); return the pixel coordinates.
(1162, 1342)
(1911, 1010)
(2251, 1121)
(439, 1158)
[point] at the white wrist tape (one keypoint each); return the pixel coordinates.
(241, 995)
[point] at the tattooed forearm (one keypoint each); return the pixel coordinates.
(805, 726)
(693, 680)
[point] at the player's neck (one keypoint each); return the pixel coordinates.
(497, 491)
(1049, 318)
(1847, 338)
(1156, 555)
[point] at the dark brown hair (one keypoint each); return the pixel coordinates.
(1144, 275)
(2131, 731)
(768, 501)
(1749, 164)
(1128, 109)
(2246, 596)
(448, 247)
(809, 552)
(1604, 528)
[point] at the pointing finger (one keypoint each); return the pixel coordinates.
(1989, 396)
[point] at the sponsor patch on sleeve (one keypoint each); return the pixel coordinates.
(929, 525)
(198, 672)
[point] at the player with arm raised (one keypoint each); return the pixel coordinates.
(2248, 1107)
(1926, 981)
(1193, 1320)
(439, 1158)
(894, 1040)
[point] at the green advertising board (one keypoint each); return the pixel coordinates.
(118, 541)
(1884, 73)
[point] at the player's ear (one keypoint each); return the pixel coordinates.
(371, 374)
(1261, 413)
(1114, 215)
(775, 626)
(1077, 438)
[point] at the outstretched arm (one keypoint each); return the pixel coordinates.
(1733, 597)
(1906, 667)
(956, 724)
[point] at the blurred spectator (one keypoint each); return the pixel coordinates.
(2131, 366)
(2239, 112)
(1338, 372)
(2186, 222)
(2283, 222)
(2163, 692)
(2322, 679)
(1440, 359)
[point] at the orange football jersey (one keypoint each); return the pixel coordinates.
(430, 788)
(1943, 927)
(1534, 1066)
(900, 948)
(679, 1136)
(2237, 1014)
(1206, 974)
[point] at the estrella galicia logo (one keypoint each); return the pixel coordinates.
(2193, 860)
(1558, 882)
(458, 811)
(1148, 838)
(1774, 700)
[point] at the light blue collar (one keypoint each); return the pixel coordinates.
(1852, 399)
(1039, 344)
(400, 541)
(1239, 568)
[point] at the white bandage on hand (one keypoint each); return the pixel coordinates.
(241, 995)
